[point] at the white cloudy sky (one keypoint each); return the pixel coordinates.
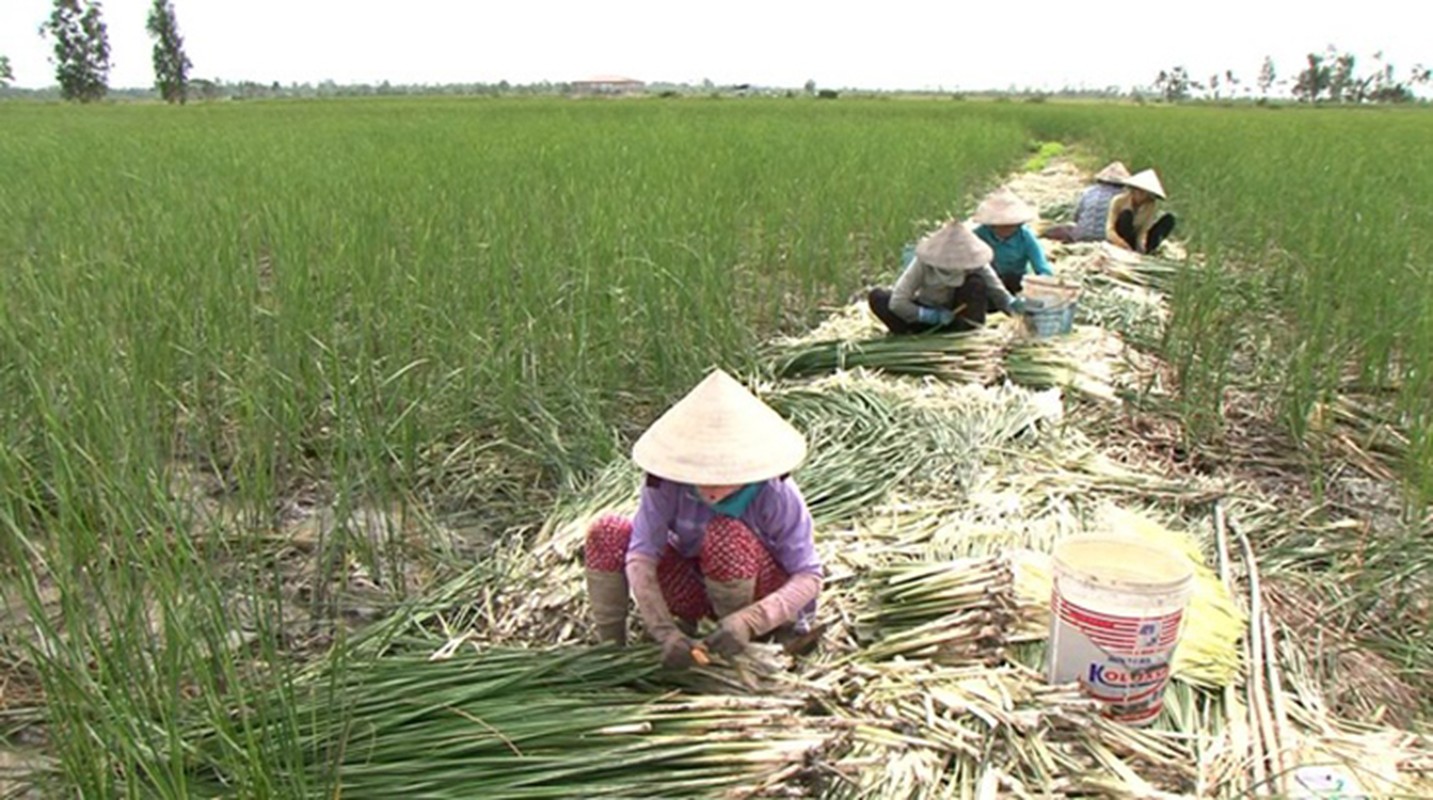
(889, 44)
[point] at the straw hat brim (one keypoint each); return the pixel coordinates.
(1004, 207)
(1147, 180)
(719, 434)
(1114, 172)
(954, 247)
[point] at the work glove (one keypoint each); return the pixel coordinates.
(677, 651)
(676, 646)
(731, 637)
(1018, 305)
(935, 316)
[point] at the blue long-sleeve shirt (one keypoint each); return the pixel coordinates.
(1014, 254)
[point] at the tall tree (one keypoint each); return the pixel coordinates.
(171, 65)
(1266, 76)
(1310, 84)
(1342, 83)
(6, 74)
(81, 49)
(1174, 84)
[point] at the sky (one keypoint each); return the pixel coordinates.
(892, 44)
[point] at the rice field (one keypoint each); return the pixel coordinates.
(450, 309)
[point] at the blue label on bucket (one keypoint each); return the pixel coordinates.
(1125, 677)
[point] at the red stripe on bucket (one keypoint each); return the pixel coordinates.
(1121, 634)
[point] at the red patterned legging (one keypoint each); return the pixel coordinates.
(729, 552)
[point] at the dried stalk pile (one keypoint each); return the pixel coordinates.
(929, 683)
(928, 730)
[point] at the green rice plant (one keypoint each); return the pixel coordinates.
(446, 304)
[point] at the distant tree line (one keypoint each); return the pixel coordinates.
(1328, 77)
(81, 59)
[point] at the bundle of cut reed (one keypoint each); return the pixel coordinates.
(1132, 268)
(1078, 471)
(526, 724)
(1089, 361)
(860, 444)
(1139, 315)
(948, 612)
(966, 357)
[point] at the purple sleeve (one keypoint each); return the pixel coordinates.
(656, 508)
(786, 521)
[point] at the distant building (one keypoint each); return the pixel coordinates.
(608, 84)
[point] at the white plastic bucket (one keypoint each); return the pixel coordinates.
(1116, 612)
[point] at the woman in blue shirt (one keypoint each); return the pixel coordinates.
(1002, 217)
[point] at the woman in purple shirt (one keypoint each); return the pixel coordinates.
(721, 530)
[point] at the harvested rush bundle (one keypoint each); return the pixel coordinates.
(949, 612)
(972, 357)
(530, 724)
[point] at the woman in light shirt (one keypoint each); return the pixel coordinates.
(946, 287)
(1134, 221)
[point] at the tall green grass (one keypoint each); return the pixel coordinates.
(444, 303)
(1318, 233)
(447, 304)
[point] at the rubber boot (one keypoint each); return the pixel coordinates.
(729, 597)
(607, 595)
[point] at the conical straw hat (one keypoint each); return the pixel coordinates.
(1003, 207)
(1114, 172)
(720, 434)
(954, 247)
(1148, 181)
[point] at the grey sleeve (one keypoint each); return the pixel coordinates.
(994, 288)
(903, 294)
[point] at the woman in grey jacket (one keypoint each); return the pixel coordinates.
(946, 287)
